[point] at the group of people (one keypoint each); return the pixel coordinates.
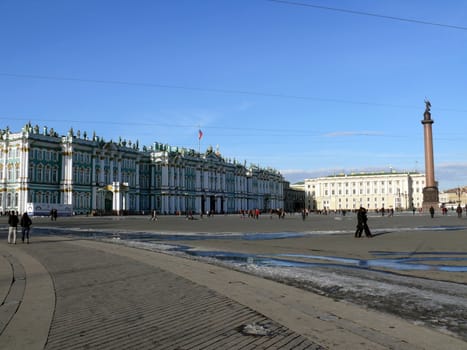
(25, 222)
(362, 224)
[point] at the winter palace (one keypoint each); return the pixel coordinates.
(41, 170)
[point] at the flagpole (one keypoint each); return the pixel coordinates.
(200, 135)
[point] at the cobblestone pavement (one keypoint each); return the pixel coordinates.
(106, 301)
(61, 292)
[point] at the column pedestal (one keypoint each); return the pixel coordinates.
(430, 198)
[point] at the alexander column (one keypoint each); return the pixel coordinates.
(430, 192)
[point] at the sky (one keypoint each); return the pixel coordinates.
(291, 85)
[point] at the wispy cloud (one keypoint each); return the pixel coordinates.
(451, 175)
(244, 106)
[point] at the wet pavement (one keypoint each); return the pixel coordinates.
(414, 267)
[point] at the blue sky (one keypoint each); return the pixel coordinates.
(301, 89)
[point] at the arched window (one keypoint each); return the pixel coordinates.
(87, 176)
(55, 175)
(47, 175)
(88, 200)
(75, 174)
(8, 200)
(17, 171)
(39, 173)
(10, 173)
(31, 172)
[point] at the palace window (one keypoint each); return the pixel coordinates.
(54, 175)
(47, 174)
(39, 173)
(87, 176)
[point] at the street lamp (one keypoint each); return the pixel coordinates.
(459, 191)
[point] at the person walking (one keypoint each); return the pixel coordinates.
(13, 227)
(154, 215)
(25, 223)
(432, 212)
(360, 217)
(459, 211)
(362, 224)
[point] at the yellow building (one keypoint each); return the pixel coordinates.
(396, 190)
(453, 197)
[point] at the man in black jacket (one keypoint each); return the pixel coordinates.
(25, 223)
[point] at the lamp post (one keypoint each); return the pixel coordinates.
(398, 199)
(459, 191)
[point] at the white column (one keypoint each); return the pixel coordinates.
(23, 177)
(4, 175)
(137, 197)
(67, 173)
(93, 182)
(116, 197)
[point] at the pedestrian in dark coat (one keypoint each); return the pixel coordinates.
(359, 231)
(362, 224)
(25, 223)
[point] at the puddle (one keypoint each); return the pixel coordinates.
(147, 236)
(386, 260)
(280, 260)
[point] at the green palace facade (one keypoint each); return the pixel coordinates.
(41, 170)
